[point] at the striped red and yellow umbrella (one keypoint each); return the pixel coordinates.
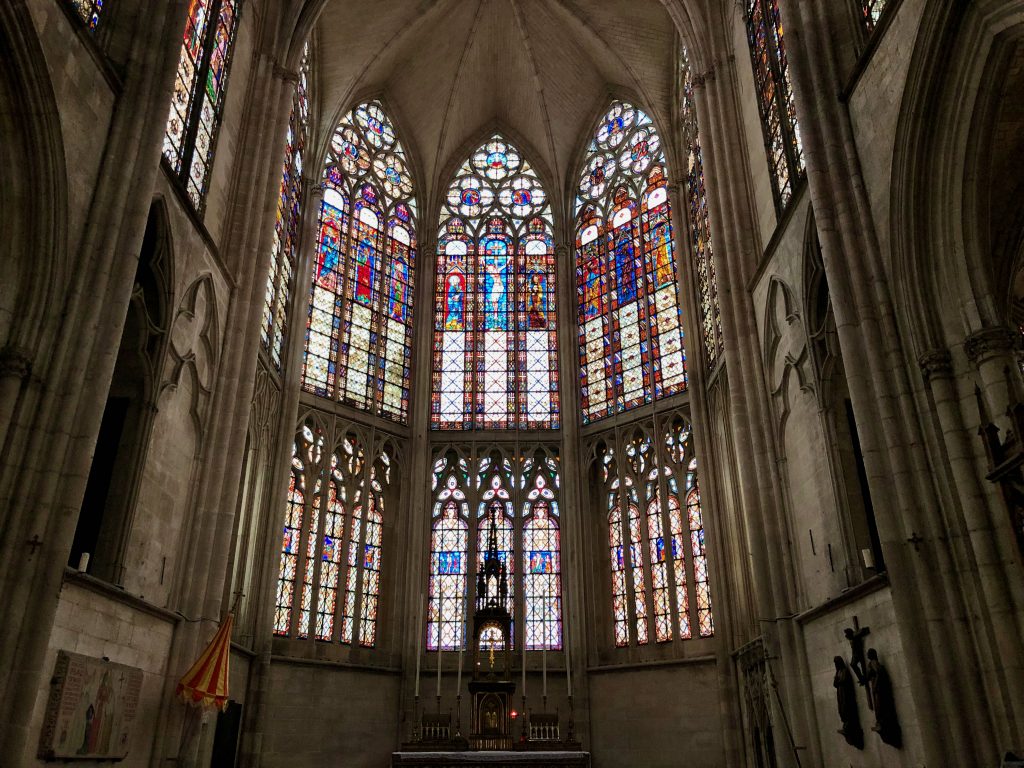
(205, 685)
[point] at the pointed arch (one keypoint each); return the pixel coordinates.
(630, 330)
(495, 335)
(359, 328)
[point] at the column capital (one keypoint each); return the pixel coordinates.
(938, 363)
(982, 345)
(15, 362)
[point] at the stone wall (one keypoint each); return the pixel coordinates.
(325, 714)
(93, 622)
(660, 716)
(823, 639)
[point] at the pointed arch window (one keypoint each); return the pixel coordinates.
(700, 218)
(333, 539)
(495, 339)
(775, 98)
(359, 330)
(630, 330)
(284, 251)
(200, 85)
(88, 11)
(643, 496)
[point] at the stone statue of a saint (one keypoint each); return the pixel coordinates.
(887, 723)
(846, 702)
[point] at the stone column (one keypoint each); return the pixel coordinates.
(932, 620)
(264, 588)
(737, 254)
(42, 490)
(246, 244)
(724, 604)
(573, 517)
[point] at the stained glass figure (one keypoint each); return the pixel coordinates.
(495, 337)
(449, 560)
(705, 621)
(197, 102)
(871, 11)
(284, 250)
(294, 514)
(542, 590)
(339, 553)
(359, 330)
(630, 330)
(89, 11)
(775, 98)
(700, 218)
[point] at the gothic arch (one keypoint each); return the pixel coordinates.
(33, 199)
(940, 173)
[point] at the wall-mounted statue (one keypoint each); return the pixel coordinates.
(846, 701)
(887, 723)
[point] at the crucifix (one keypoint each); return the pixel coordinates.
(34, 543)
(858, 660)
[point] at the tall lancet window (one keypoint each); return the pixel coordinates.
(542, 580)
(655, 537)
(775, 98)
(495, 341)
(449, 555)
(359, 331)
(328, 585)
(700, 219)
(199, 90)
(284, 250)
(630, 330)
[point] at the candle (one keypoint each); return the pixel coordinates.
(419, 643)
(524, 664)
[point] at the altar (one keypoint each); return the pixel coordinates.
(491, 739)
(492, 759)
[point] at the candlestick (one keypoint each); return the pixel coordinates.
(544, 670)
(568, 667)
(419, 644)
(440, 646)
(458, 684)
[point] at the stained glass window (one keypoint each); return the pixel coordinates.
(542, 588)
(197, 102)
(520, 495)
(89, 11)
(449, 556)
(332, 540)
(495, 339)
(700, 219)
(775, 98)
(871, 13)
(284, 249)
(643, 503)
(359, 330)
(630, 330)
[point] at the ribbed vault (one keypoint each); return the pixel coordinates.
(451, 69)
